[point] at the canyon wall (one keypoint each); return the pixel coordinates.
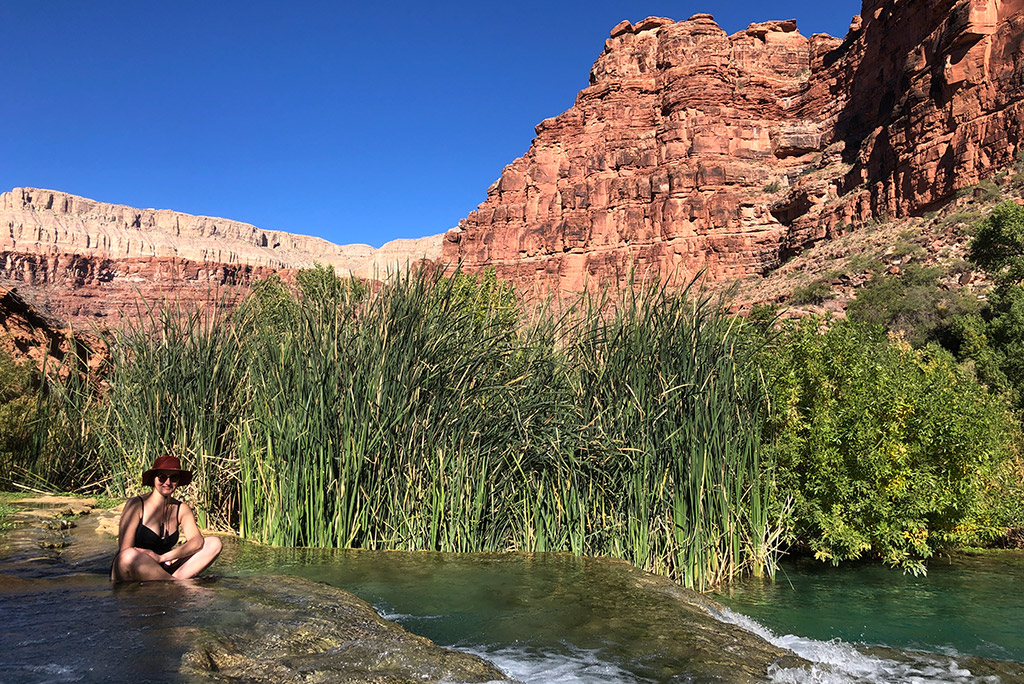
(88, 262)
(692, 149)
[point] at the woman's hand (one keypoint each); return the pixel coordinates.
(149, 552)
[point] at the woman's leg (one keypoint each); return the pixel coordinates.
(133, 565)
(200, 560)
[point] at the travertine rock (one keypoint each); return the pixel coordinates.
(692, 149)
(86, 261)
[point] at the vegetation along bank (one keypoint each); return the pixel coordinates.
(435, 413)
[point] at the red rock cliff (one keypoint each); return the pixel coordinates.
(695, 149)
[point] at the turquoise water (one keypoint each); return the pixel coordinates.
(541, 617)
(557, 619)
(971, 605)
(545, 618)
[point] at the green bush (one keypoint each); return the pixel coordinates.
(991, 338)
(914, 303)
(19, 397)
(812, 293)
(998, 244)
(886, 451)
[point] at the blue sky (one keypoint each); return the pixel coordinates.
(337, 119)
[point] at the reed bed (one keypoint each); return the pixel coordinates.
(423, 416)
(173, 387)
(671, 395)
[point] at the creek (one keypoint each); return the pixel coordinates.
(965, 605)
(538, 617)
(555, 618)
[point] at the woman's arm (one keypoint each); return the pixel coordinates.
(194, 538)
(129, 524)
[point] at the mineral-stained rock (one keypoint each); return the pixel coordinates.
(692, 149)
(87, 262)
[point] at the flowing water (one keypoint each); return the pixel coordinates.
(545, 617)
(552, 619)
(965, 605)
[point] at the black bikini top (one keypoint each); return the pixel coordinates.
(161, 543)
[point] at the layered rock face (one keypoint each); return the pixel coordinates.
(84, 260)
(692, 149)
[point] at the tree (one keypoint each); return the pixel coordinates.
(998, 246)
(994, 339)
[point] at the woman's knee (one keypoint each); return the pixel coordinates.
(212, 545)
(125, 563)
(126, 558)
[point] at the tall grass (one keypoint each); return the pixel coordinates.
(671, 396)
(380, 421)
(173, 387)
(422, 415)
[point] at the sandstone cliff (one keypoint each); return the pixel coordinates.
(84, 260)
(692, 149)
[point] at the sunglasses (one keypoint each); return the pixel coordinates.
(168, 477)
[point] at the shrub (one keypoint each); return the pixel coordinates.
(812, 293)
(992, 339)
(18, 400)
(998, 245)
(914, 303)
(886, 450)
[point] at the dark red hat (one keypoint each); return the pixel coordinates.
(166, 464)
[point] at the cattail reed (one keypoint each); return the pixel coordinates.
(429, 414)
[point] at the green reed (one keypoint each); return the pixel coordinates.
(666, 385)
(173, 388)
(370, 420)
(424, 414)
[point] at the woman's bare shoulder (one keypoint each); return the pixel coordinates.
(132, 506)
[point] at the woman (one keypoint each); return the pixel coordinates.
(148, 546)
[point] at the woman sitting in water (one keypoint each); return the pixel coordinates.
(148, 534)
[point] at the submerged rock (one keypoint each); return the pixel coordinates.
(285, 629)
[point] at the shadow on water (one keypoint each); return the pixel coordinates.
(82, 628)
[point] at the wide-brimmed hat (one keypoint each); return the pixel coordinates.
(166, 464)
